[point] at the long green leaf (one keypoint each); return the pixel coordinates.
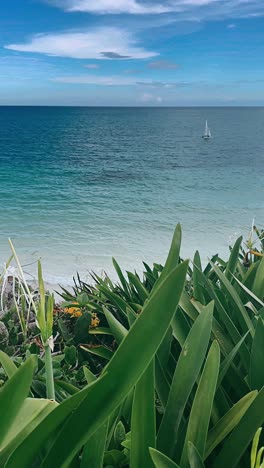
(160, 460)
(98, 351)
(13, 395)
(8, 365)
(143, 425)
(194, 457)
(233, 259)
(258, 285)
(249, 292)
(173, 256)
(242, 315)
(93, 452)
(186, 373)
(31, 413)
(256, 370)
(227, 423)
(242, 435)
(118, 330)
(197, 291)
(121, 276)
(139, 287)
(228, 361)
(202, 405)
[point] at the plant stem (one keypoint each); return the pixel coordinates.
(49, 374)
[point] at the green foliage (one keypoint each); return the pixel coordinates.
(163, 370)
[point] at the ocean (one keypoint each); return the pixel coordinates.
(79, 185)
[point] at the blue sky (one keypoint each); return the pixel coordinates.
(132, 52)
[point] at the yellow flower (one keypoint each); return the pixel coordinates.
(95, 321)
(73, 311)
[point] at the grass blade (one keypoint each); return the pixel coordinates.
(256, 374)
(227, 423)
(143, 424)
(202, 405)
(194, 457)
(186, 373)
(242, 435)
(160, 460)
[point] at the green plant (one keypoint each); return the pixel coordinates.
(178, 371)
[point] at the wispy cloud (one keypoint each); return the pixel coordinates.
(185, 9)
(162, 65)
(92, 66)
(116, 80)
(121, 80)
(112, 6)
(150, 98)
(98, 43)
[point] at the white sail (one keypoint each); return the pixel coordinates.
(207, 131)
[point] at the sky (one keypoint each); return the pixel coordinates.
(132, 52)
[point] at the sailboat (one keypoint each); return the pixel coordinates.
(207, 132)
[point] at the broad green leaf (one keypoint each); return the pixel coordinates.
(194, 457)
(118, 330)
(131, 316)
(98, 351)
(31, 413)
(186, 373)
(89, 376)
(197, 291)
(143, 424)
(161, 382)
(121, 276)
(227, 423)
(173, 256)
(180, 327)
(69, 388)
(228, 361)
(258, 285)
(164, 349)
(8, 365)
(187, 306)
(26, 453)
(112, 387)
(256, 370)
(93, 452)
(13, 395)
(249, 292)
(160, 460)
(233, 259)
(242, 435)
(202, 405)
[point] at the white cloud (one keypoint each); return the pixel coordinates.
(92, 66)
(98, 43)
(112, 6)
(150, 98)
(114, 80)
(185, 9)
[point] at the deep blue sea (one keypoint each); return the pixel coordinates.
(80, 185)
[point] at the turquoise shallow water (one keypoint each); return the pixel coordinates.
(78, 185)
